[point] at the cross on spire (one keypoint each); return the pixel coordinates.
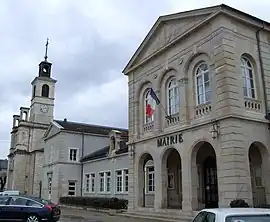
(46, 50)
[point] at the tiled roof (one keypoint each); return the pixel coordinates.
(88, 128)
(3, 164)
(103, 152)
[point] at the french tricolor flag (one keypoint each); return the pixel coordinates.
(150, 108)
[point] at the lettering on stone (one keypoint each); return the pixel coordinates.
(170, 140)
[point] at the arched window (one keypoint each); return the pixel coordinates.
(148, 103)
(45, 90)
(248, 78)
(203, 88)
(34, 92)
(172, 97)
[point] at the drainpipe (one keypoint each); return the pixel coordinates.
(267, 115)
(82, 163)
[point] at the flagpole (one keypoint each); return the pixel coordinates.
(158, 102)
(167, 115)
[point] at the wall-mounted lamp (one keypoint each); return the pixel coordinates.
(215, 131)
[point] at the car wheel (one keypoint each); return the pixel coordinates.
(32, 218)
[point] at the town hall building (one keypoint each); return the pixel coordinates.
(199, 105)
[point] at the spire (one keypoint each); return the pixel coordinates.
(45, 66)
(46, 50)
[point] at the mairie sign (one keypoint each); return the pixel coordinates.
(170, 140)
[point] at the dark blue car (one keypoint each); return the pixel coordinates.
(28, 209)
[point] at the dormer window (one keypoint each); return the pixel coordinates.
(112, 143)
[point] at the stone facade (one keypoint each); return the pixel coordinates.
(45, 154)
(27, 145)
(63, 167)
(211, 59)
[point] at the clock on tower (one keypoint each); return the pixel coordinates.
(42, 103)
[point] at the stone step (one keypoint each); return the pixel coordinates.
(150, 217)
(161, 216)
(165, 212)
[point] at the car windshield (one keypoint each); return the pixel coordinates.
(248, 218)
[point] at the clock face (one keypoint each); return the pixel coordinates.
(44, 108)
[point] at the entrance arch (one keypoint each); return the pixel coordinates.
(146, 175)
(172, 168)
(258, 164)
(204, 176)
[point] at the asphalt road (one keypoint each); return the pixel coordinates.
(74, 215)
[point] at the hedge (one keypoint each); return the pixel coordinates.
(238, 203)
(263, 206)
(95, 202)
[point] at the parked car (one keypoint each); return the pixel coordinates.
(233, 215)
(28, 209)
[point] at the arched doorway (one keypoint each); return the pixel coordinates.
(204, 176)
(172, 169)
(258, 158)
(146, 175)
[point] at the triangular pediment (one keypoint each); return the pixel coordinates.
(52, 130)
(166, 30)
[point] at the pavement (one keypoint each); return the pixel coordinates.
(76, 215)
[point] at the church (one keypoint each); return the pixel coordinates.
(199, 105)
(53, 158)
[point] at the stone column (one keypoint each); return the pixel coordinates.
(186, 185)
(158, 184)
(164, 175)
(138, 183)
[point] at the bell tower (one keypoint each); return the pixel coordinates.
(43, 90)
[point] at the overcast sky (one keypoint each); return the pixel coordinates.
(90, 43)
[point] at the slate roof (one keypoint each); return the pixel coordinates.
(103, 152)
(3, 164)
(87, 128)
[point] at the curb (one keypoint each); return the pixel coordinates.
(107, 211)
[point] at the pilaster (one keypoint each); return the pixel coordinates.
(158, 116)
(226, 90)
(131, 178)
(183, 109)
(186, 185)
(158, 184)
(233, 165)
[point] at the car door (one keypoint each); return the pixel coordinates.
(3, 207)
(15, 208)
